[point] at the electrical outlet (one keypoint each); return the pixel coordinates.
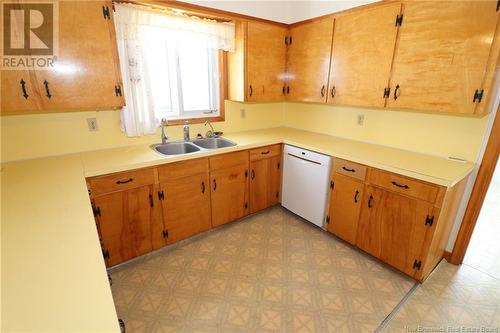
(361, 119)
(92, 124)
(242, 113)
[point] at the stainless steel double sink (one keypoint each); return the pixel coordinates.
(187, 147)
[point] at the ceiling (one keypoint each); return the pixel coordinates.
(281, 10)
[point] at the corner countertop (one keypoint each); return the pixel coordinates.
(53, 274)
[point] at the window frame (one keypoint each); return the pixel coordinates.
(223, 91)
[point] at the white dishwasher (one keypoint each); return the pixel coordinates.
(306, 179)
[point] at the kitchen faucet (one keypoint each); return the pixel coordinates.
(186, 131)
(210, 132)
(164, 136)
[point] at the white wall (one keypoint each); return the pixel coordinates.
(281, 11)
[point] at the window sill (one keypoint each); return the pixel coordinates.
(194, 120)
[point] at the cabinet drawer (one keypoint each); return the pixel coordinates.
(350, 169)
(404, 185)
(121, 181)
(265, 152)
(228, 160)
(182, 169)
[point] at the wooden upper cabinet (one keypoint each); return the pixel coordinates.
(363, 46)
(257, 66)
(266, 57)
(87, 70)
(19, 92)
(309, 60)
(442, 53)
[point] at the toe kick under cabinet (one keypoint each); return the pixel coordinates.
(142, 210)
(402, 221)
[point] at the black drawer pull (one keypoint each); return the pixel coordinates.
(215, 184)
(323, 91)
(348, 170)
(202, 187)
(23, 88)
(250, 91)
(401, 186)
(253, 174)
(151, 202)
(265, 152)
(370, 201)
(397, 91)
(46, 84)
(356, 196)
(334, 91)
(125, 181)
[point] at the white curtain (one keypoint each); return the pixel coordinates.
(134, 27)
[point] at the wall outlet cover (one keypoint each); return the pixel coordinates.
(361, 119)
(242, 113)
(92, 124)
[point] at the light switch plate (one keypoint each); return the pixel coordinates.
(361, 119)
(92, 124)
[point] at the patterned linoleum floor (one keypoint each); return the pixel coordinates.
(270, 272)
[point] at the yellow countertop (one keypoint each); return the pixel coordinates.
(53, 274)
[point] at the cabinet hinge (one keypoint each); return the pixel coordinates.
(121, 323)
(105, 253)
(165, 233)
(161, 195)
(429, 220)
(399, 20)
(118, 90)
(332, 184)
(327, 219)
(387, 92)
(97, 211)
(417, 264)
(478, 96)
(105, 12)
(110, 280)
(498, 5)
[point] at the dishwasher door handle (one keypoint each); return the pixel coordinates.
(304, 159)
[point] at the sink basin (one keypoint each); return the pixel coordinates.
(175, 148)
(213, 143)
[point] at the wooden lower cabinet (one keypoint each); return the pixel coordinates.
(345, 205)
(265, 183)
(229, 194)
(186, 206)
(396, 229)
(125, 221)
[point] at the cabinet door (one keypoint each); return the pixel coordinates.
(259, 184)
(441, 54)
(274, 186)
(265, 61)
(229, 194)
(186, 206)
(125, 223)
(369, 225)
(15, 99)
(86, 71)
(363, 47)
(345, 206)
(309, 61)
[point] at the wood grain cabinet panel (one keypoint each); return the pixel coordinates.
(125, 221)
(186, 206)
(363, 47)
(368, 236)
(266, 57)
(345, 206)
(265, 183)
(309, 60)
(441, 56)
(19, 92)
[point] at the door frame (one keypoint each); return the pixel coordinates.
(481, 185)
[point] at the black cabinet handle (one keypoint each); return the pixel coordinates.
(250, 90)
(46, 84)
(399, 185)
(202, 187)
(348, 170)
(215, 184)
(333, 92)
(265, 152)
(125, 181)
(356, 196)
(288, 89)
(397, 91)
(23, 88)
(122, 326)
(253, 174)
(283, 91)
(370, 201)
(323, 91)
(151, 202)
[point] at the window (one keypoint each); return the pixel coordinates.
(184, 76)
